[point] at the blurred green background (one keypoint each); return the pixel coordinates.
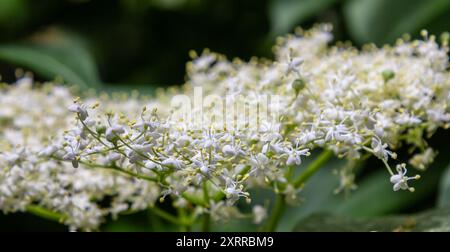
(146, 42)
(143, 44)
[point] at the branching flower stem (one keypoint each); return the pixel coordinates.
(277, 210)
(280, 204)
(169, 217)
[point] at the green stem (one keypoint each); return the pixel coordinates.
(140, 153)
(280, 204)
(168, 217)
(193, 199)
(112, 167)
(313, 168)
(119, 169)
(206, 216)
(45, 213)
(205, 193)
(97, 137)
(183, 218)
(275, 216)
(206, 222)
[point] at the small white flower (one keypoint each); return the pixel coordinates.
(173, 163)
(259, 161)
(150, 126)
(292, 65)
(203, 167)
(203, 62)
(184, 141)
(80, 109)
(152, 165)
(294, 156)
(259, 214)
(234, 191)
(406, 119)
(422, 160)
(48, 151)
(276, 146)
(114, 131)
(307, 137)
(228, 150)
(339, 133)
(12, 158)
(270, 131)
(232, 151)
(400, 180)
(142, 148)
(72, 154)
(112, 157)
(380, 150)
(438, 114)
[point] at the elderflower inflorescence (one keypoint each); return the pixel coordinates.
(349, 102)
(30, 122)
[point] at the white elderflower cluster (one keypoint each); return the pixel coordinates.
(30, 122)
(348, 103)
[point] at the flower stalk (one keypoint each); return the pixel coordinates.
(280, 203)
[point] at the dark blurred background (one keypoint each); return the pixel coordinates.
(146, 42)
(143, 44)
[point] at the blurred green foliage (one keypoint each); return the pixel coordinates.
(64, 57)
(124, 44)
(146, 42)
(432, 221)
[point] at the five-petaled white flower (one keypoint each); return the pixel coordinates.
(400, 180)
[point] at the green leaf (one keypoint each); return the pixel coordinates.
(286, 14)
(13, 13)
(64, 56)
(444, 189)
(382, 21)
(373, 197)
(435, 220)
